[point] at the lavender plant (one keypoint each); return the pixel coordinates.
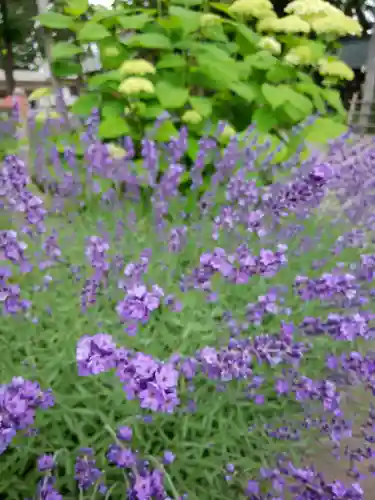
(195, 348)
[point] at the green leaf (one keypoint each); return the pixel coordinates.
(202, 105)
(274, 95)
(221, 7)
(261, 60)
(85, 104)
(166, 131)
(103, 14)
(314, 92)
(246, 39)
(190, 20)
(136, 22)
(64, 50)
(39, 93)
(215, 33)
(169, 96)
(113, 127)
(193, 148)
(97, 81)
(250, 35)
(298, 100)
(112, 108)
(151, 112)
(221, 75)
(333, 98)
(66, 68)
(323, 130)
(54, 20)
(93, 32)
(76, 7)
(244, 90)
(112, 53)
(279, 73)
(294, 113)
(150, 41)
(170, 24)
(211, 50)
(264, 119)
(171, 61)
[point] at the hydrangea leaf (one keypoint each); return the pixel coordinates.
(150, 41)
(64, 50)
(135, 22)
(333, 98)
(76, 7)
(170, 96)
(274, 95)
(244, 90)
(93, 32)
(202, 105)
(97, 81)
(55, 20)
(171, 61)
(264, 119)
(85, 103)
(323, 130)
(113, 127)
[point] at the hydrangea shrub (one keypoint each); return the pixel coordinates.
(203, 64)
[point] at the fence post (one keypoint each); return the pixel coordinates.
(352, 108)
(22, 132)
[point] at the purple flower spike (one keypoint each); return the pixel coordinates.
(95, 354)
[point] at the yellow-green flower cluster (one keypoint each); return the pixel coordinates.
(324, 18)
(207, 20)
(135, 85)
(252, 8)
(306, 8)
(191, 117)
(271, 44)
(227, 133)
(301, 55)
(116, 151)
(287, 24)
(337, 24)
(335, 68)
(138, 67)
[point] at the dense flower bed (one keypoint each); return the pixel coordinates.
(190, 350)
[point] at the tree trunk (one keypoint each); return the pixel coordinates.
(8, 62)
(368, 87)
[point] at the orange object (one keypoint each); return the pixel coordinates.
(23, 104)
